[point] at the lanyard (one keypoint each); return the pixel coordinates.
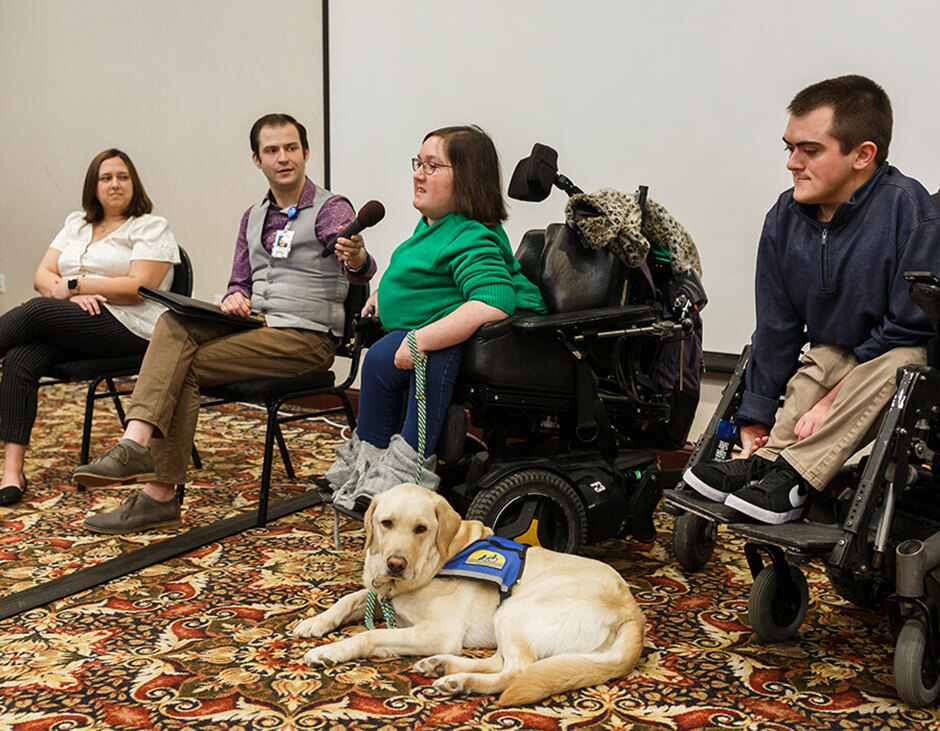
(291, 215)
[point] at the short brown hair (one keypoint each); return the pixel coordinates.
(861, 111)
(140, 201)
(478, 187)
(276, 120)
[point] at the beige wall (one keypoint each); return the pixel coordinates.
(174, 83)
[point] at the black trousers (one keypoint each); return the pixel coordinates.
(36, 335)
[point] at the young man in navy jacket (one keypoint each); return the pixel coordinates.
(830, 273)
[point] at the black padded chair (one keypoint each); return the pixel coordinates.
(106, 370)
(273, 393)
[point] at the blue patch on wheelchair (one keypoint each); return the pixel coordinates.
(495, 560)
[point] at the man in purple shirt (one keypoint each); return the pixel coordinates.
(278, 276)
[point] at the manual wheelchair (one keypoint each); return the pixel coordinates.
(876, 528)
(568, 409)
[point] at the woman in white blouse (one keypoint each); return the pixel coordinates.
(89, 306)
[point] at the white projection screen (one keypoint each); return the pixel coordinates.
(688, 98)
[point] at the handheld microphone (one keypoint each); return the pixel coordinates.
(370, 214)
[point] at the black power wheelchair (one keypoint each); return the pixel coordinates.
(567, 406)
(876, 528)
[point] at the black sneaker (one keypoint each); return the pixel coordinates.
(717, 480)
(778, 498)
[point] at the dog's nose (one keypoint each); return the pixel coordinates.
(396, 564)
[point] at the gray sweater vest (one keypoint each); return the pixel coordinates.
(304, 290)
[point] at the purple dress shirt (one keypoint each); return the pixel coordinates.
(336, 212)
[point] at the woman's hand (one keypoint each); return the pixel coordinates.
(60, 290)
(351, 250)
(403, 359)
(91, 303)
(371, 307)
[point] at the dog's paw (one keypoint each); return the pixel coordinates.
(450, 685)
(433, 667)
(325, 656)
(311, 627)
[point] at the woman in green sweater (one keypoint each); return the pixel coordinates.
(454, 274)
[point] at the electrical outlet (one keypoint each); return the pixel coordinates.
(3, 283)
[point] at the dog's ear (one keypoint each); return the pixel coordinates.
(367, 523)
(448, 524)
(453, 533)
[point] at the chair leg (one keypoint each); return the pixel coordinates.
(347, 407)
(282, 447)
(117, 401)
(181, 493)
(85, 450)
(197, 460)
(269, 435)
(336, 529)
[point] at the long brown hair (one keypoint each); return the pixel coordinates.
(140, 201)
(478, 187)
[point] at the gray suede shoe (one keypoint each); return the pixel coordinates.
(139, 512)
(120, 465)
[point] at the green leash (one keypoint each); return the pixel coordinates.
(420, 363)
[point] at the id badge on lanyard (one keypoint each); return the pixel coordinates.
(283, 237)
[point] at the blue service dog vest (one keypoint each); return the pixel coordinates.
(495, 560)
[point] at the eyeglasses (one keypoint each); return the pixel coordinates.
(429, 167)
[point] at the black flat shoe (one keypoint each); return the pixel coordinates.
(11, 494)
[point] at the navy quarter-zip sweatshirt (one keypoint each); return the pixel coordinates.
(838, 283)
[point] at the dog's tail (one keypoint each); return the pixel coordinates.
(561, 673)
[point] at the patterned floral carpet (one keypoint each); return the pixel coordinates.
(202, 642)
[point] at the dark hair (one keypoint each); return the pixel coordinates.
(861, 111)
(478, 189)
(140, 201)
(276, 120)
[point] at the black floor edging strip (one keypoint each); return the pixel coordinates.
(145, 556)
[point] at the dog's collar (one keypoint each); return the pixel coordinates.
(388, 611)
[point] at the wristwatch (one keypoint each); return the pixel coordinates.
(73, 286)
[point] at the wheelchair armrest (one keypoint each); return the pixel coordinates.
(368, 330)
(620, 316)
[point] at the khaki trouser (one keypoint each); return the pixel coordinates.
(854, 417)
(186, 353)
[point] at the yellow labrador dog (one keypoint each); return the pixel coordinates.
(570, 621)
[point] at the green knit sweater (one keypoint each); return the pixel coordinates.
(445, 265)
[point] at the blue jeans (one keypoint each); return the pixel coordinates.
(382, 386)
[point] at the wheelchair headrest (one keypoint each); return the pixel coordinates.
(572, 277)
(534, 175)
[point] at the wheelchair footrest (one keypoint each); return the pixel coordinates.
(691, 502)
(804, 537)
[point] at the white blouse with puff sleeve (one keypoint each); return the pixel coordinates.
(141, 237)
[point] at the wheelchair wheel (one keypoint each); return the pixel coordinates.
(536, 507)
(916, 675)
(693, 540)
(775, 614)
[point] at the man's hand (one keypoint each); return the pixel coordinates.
(236, 304)
(753, 437)
(351, 250)
(811, 420)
